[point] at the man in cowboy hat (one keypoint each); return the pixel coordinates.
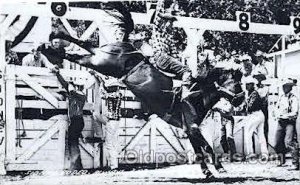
(109, 118)
(263, 91)
(286, 136)
(259, 64)
(254, 120)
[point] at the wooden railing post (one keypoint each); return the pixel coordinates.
(10, 113)
(2, 107)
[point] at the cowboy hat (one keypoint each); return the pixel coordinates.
(245, 57)
(289, 82)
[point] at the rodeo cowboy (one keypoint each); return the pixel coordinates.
(286, 134)
(76, 99)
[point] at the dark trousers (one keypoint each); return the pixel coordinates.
(266, 125)
(74, 133)
(169, 64)
(286, 140)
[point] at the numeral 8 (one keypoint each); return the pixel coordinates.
(244, 21)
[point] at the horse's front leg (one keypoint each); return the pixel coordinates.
(195, 136)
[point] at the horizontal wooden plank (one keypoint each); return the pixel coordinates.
(41, 81)
(39, 124)
(30, 92)
(46, 72)
(25, 143)
(32, 134)
(131, 122)
(131, 131)
(41, 104)
(44, 155)
(46, 165)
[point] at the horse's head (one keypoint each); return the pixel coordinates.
(228, 84)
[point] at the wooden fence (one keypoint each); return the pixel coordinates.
(36, 124)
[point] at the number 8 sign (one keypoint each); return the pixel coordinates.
(243, 19)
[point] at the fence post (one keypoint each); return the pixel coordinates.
(10, 114)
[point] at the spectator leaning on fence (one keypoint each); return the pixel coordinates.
(76, 101)
(254, 121)
(36, 58)
(286, 136)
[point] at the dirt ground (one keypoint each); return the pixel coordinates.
(241, 174)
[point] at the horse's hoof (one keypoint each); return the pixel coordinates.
(208, 174)
(222, 170)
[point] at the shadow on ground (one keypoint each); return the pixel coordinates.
(225, 180)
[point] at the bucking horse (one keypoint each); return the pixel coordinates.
(116, 57)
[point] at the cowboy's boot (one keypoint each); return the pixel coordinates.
(232, 148)
(295, 156)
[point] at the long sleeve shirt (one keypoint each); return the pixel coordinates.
(30, 60)
(288, 106)
(76, 99)
(253, 102)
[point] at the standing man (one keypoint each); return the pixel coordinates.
(286, 136)
(76, 101)
(254, 120)
(111, 119)
(259, 64)
(263, 91)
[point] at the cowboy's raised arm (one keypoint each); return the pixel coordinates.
(61, 80)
